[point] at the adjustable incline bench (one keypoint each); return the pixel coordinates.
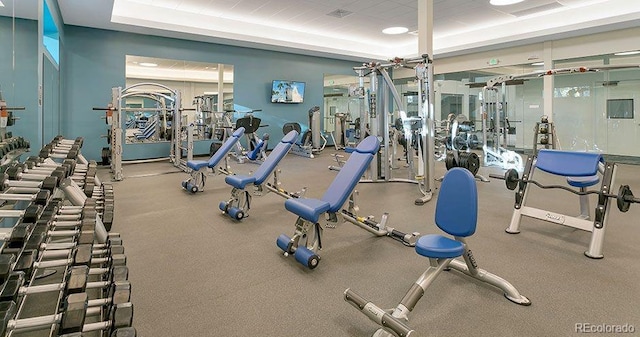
(251, 125)
(457, 215)
(240, 202)
(197, 180)
(307, 239)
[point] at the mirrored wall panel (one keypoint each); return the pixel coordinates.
(200, 91)
(595, 110)
(19, 69)
(343, 103)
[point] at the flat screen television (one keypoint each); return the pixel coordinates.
(283, 91)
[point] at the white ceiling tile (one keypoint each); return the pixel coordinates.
(360, 5)
(460, 19)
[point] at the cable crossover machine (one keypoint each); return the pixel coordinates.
(418, 130)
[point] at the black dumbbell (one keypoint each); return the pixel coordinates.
(115, 285)
(28, 186)
(39, 198)
(30, 214)
(71, 319)
(41, 164)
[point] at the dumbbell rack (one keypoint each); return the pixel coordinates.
(544, 136)
(62, 214)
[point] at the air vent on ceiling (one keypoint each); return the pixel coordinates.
(340, 13)
(537, 9)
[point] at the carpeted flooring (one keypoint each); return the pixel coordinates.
(195, 272)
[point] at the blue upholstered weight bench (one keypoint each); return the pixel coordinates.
(197, 177)
(307, 238)
(238, 205)
(582, 170)
(456, 214)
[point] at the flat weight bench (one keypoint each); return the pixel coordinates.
(456, 214)
(582, 170)
(197, 179)
(307, 239)
(239, 204)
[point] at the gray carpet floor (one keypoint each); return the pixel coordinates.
(196, 272)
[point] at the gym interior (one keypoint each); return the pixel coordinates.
(252, 168)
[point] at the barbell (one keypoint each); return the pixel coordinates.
(624, 198)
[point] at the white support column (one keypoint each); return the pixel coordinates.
(547, 91)
(220, 106)
(425, 27)
(425, 46)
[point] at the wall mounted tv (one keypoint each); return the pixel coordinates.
(283, 91)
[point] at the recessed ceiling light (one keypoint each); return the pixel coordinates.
(624, 53)
(537, 64)
(148, 64)
(395, 30)
(504, 2)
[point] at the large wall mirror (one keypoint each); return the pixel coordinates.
(595, 111)
(19, 66)
(204, 91)
(51, 124)
(342, 106)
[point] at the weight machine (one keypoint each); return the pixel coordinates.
(418, 131)
(223, 128)
(493, 108)
(167, 126)
(312, 140)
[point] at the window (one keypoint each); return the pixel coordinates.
(620, 108)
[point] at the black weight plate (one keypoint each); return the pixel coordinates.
(450, 161)
(511, 179)
(473, 163)
(623, 193)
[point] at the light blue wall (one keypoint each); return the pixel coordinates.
(20, 85)
(95, 62)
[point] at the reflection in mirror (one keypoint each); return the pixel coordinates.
(205, 89)
(461, 98)
(50, 75)
(50, 35)
(343, 105)
(594, 111)
(18, 69)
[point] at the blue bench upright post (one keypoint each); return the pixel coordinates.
(581, 169)
(238, 205)
(197, 178)
(456, 215)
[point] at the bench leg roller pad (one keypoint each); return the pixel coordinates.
(235, 213)
(283, 243)
(307, 257)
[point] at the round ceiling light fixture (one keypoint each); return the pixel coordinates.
(504, 2)
(395, 30)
